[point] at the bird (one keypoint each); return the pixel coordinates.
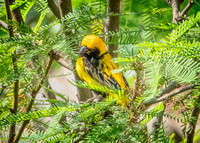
(95, 66)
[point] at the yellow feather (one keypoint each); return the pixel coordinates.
(82, 72)
(93, 41)
(106, 65)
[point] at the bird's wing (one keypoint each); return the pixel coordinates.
(116, 79)
(103, 75)
(82, 72)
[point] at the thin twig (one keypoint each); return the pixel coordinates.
(90, 100)
(4, 24)
(171, 86)
(16, 82)
(187, 8)
(192, 122)
(60, 60)
(150, 102)
(8, 15)
(63, 64)
(48, 94)
(33, 94)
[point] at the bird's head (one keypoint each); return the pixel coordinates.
(92, 46)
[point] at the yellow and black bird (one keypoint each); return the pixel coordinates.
(95, 65)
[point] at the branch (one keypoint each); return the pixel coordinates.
(175, 4)
(187, 8)
(192, 122)
(150, 102)
(4, 24)
(92, 99)
(8, 16)
(171, 86)
(34, 93)
(112, 23)
(17, 16)
(65, 7)
(176, 8)
(63, 64)
(16, 13)
(16, 82)
(137, 84)
(54, 8)
(47, 93)
(60, 60)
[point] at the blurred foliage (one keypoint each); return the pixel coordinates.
(152, 53)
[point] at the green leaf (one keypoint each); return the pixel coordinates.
(37, 27)
(53, 124)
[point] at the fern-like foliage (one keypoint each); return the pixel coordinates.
(152, 63)
(183, 28)
(12, 119)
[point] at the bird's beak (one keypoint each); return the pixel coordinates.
(83, 50)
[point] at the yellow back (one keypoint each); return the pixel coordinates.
(108, 66)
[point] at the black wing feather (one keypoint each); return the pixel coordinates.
(97, 74)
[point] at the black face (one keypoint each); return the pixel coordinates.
(92, 55)
(89, 53)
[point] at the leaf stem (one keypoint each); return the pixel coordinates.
(34, 92)
(150, 102)
(192, 122)
(15, 68)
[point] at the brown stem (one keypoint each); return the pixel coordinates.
(112, 23)
(17, 16)
(171, 86)
(16, 82)
(54, 8)
(150, 102)
(16, 13)
(65, 7)
(47, 93)
(175, 4)
(64, 64)
(187, 8)
(136, 88)
(4, 24)
(8, 16)
(176, 8)
(92, 99)
(34, 92)
(192, 122)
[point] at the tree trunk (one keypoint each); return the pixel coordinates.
(65, 7)
(112, 23)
